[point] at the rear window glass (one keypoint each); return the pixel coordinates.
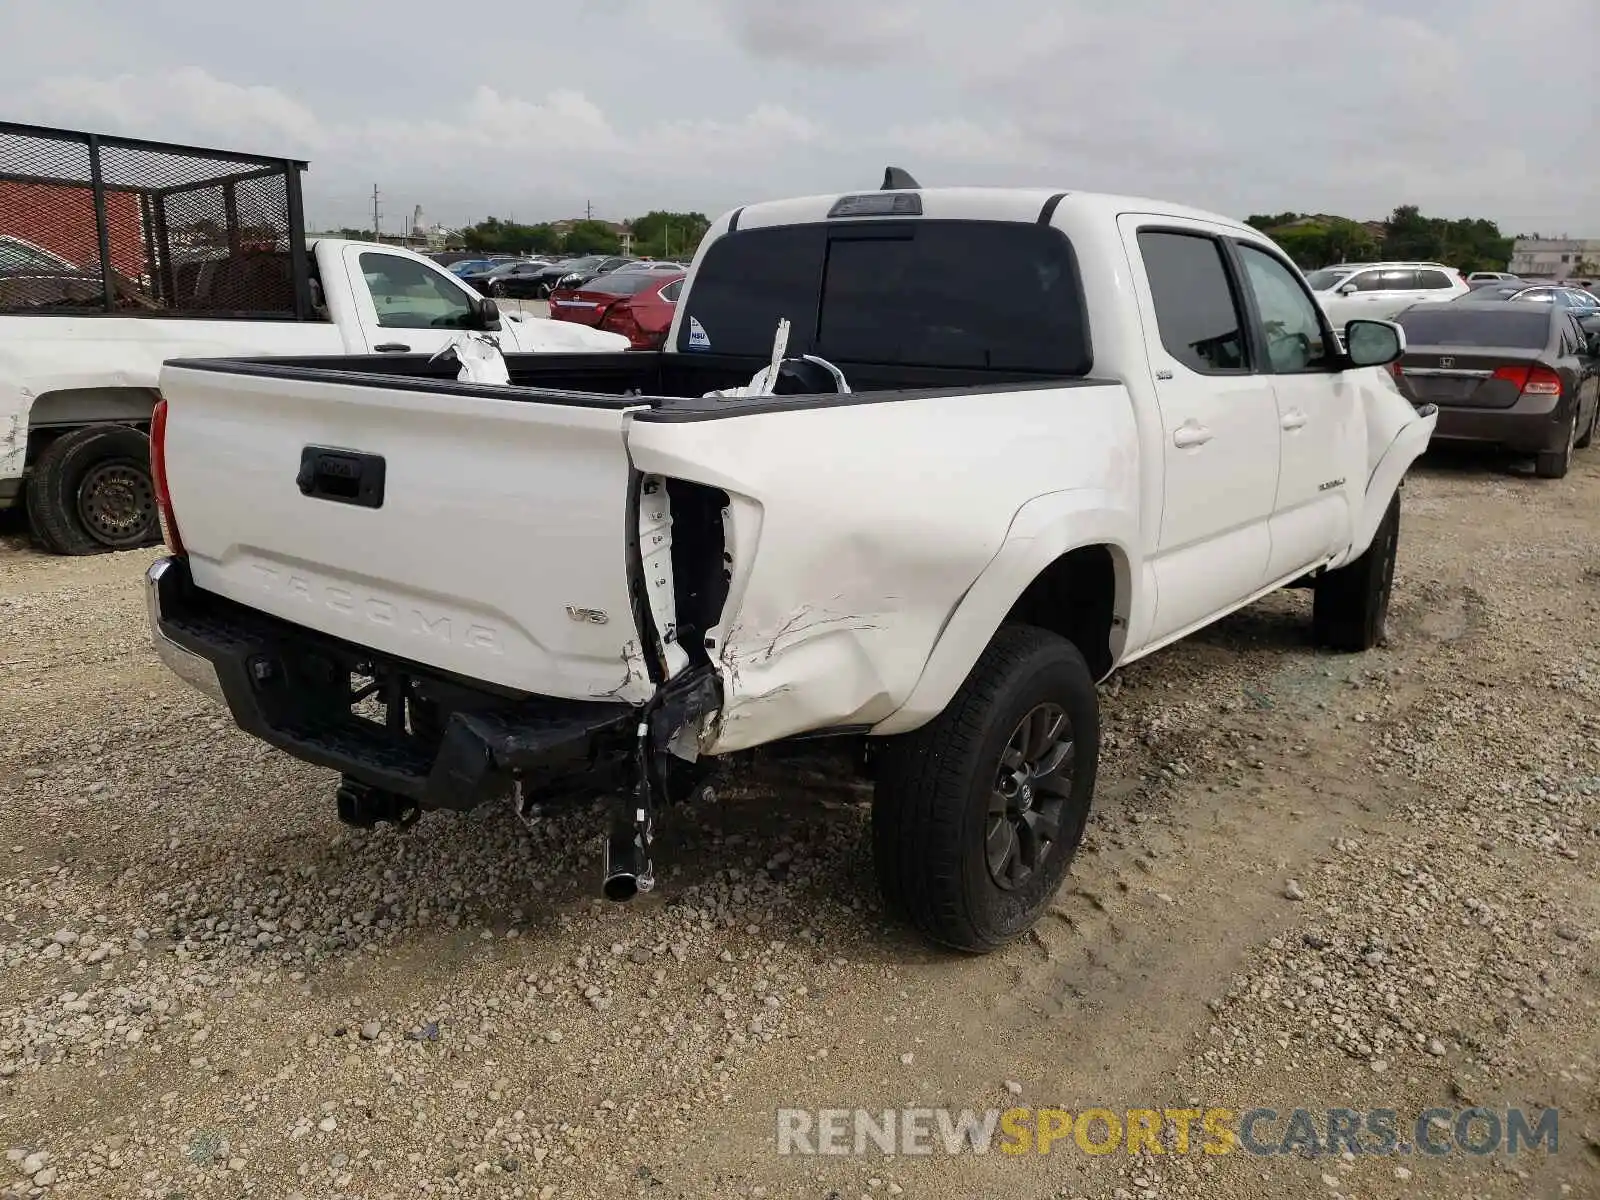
(1436, 325)
(915, 293)
(622, 283)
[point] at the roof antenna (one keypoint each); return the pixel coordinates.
(897, 179)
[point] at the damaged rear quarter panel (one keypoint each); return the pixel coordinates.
(856, 528)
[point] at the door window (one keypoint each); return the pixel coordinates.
(672, 291)
(1289, 320)
(407, 295)
(1196, 312)
(1432, 280)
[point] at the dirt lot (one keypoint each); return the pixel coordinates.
(1311, 881)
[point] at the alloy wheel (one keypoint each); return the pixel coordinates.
(1033, 783)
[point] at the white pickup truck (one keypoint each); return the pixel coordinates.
(621, 566)
(185, 252)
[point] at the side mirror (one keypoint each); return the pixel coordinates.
(486, 314)
(1348, 289)
(1373, 343)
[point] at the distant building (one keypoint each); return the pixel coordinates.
(1556, 258)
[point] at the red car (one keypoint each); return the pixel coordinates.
(637, 304)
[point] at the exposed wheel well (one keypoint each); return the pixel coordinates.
(55, 413)
(1076, 597)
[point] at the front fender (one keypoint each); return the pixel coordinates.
(1386, 475)
(1043, 530)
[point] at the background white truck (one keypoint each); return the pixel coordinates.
(1133, 421)
(116, 255)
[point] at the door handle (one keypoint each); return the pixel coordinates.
(1294, 419)
(392, 348)
(1190, 434)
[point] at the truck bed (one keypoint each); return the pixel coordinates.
(669, 385)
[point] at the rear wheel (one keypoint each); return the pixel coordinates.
(1554, 464)
(91, 492)
(1350, 606)
(978, 814)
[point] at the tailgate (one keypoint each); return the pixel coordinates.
(498, 548)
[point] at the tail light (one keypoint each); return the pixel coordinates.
(1530, 379)
(158, 477)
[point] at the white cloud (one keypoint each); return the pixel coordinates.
(1237, 105)
(508, 143)
(189, 96)
(824, 34)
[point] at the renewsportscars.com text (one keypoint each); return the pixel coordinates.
(1262, 1132)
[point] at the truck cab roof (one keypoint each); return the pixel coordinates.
(963, 204)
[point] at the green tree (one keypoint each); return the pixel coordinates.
(1266, 224)
(592, 237)
(1468, 244)
(494, 236)
(1318, 241)
(669, 235)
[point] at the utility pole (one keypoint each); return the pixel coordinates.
(588, 210)
(375, 215)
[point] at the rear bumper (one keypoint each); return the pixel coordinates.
(194, 669)
(1532, 424)
(291, 687)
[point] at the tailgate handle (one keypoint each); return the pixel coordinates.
(343, 476)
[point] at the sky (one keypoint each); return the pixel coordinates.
(532, 110)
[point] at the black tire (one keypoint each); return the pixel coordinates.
(1594, 426)
(91, 492)
(934, 828)
(1554, 464)
(1350, 606)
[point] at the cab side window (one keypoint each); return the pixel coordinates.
(407, 295)
(1196, 311)
(1291, 327)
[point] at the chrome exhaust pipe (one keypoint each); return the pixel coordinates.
(628, 870)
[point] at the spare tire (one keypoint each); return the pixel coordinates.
(91, 492)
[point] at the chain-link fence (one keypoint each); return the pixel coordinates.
(94, 224)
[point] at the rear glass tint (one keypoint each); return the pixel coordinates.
(1438, 325)
(914, 293)
(622, 283)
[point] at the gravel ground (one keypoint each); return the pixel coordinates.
(1311, 880)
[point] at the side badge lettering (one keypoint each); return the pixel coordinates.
(1330, 485)
(593, 616)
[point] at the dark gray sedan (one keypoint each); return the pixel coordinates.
(1521, 376)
